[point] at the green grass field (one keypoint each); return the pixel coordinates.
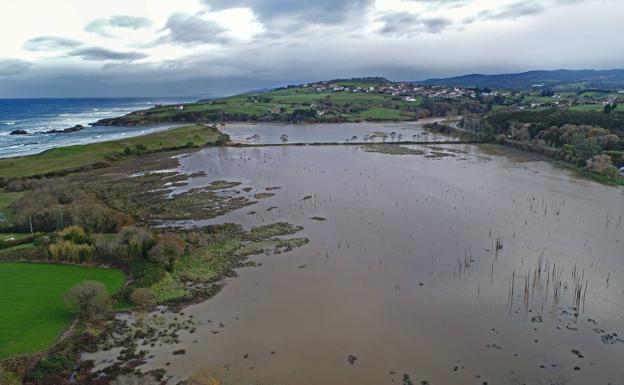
(33, 315)
(63, 158)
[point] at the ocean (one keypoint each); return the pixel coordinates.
(36, 116)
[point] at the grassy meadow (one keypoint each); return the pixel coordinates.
(33, 314)
(71, 157)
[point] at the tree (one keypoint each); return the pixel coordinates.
(585, 147)
(89, 299)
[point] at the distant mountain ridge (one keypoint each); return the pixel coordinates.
(556, 79)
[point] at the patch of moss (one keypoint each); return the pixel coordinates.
(392, 149)
(263, 195)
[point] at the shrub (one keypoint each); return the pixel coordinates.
(89, 299)
(166, 250)
(107, 248)
(67, 251)
(611, 172)
(136, 241)
(599, 163)
(617, 157)
(142, 297)
(8, 378)
(51, 366)
(75, 234)
(145, 273)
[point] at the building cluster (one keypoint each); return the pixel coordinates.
(408, 91)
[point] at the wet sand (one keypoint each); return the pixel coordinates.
(403, 277)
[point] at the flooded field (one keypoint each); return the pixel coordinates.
(273, 133)
(458, 264)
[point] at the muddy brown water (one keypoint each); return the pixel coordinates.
(404, 274)
(271, 133)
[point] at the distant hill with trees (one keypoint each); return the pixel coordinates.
(573, 80)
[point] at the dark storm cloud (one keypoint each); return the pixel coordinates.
(50, 43)
(10, 67)
(98, 53)
(319, 11)
(103, 26)
(407, 24)
(187, 29)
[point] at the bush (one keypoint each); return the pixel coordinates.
(611, 172)
(74, 234)
(89, 299)
(107, 248)
(142, 297)
(8, 378)
(135, 241)
(145, 273)
(599, 163)
(66, 251)
(617, 157)
(51, 366)
(166, 250)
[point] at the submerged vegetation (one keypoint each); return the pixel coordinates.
(95, 218)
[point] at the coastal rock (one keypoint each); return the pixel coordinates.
(19, 132)
(77, 127)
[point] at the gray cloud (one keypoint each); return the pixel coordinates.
(443, 3)
(10, 67)
(50, 43)
(513, 11)
(322, 49)
(520, 9)
(317, 12)
(98, 53)
(187, 29)
(407, 24)
(103, 26)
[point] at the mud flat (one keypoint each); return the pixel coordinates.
(452, 264)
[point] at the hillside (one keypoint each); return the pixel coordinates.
(341, 100)
(571, 80)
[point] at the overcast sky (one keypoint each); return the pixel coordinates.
(216, 47)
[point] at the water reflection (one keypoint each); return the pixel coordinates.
(275, 133)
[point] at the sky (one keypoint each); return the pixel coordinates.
(79, 48)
